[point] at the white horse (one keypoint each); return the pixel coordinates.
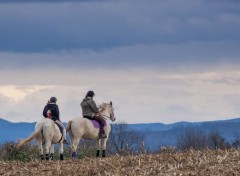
(47, 134)
(84, 128)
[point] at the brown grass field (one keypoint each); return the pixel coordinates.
(199, 163)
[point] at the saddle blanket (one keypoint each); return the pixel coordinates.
(96, 124)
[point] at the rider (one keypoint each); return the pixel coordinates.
(51, 111)
(90, 111)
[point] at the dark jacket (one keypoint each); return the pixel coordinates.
(89, 107)
(54, 111)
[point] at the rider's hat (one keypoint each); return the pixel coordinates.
(90, 93)
(53, 99)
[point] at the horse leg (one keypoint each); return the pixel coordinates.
(104, 147)
(75, 143)
(47, 149)
(98, 147)
(61, 150)
(40, 149)
(51, 152)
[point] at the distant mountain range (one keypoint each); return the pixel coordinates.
(157, 134)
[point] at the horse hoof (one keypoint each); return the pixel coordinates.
(47, 156)
(74, 155)
(103, 153)
(42, 157)
(61, 156)
(51, 156)
(98, 153)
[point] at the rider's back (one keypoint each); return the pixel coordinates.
(89, 107)
(53, 108)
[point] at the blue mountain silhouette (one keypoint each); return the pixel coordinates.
(156, 134)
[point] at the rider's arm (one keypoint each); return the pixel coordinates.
(93, 106)
(57, 113)
(45, 111)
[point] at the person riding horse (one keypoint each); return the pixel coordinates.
(51, 111)
(90, 111)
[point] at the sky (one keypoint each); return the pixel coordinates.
(157, 61)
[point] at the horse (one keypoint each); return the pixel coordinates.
(84, 128)
(47, 133)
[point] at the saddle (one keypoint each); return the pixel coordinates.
(49, 115)
(60, 128)
(94, 122)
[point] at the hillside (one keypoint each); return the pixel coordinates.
(156, 134)
(12, 131)
(200, 163)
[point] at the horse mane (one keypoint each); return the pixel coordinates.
(103, 106)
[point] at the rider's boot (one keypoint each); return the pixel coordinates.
(64, 137)
(102, 132)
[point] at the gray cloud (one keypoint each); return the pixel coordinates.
(190, 56)
(164, 60)
(97, 25)
(138, 95)
(44, 1)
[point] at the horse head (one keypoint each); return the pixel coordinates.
(106, 110)
(112, 117)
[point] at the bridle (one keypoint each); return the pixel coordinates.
(103, 115)
(111, 116)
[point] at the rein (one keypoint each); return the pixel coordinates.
(103, 115)
(106, 117)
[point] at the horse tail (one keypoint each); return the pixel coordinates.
(30, 138)
(68, 129)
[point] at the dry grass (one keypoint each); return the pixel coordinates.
(208, 162)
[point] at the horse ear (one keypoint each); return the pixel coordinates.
(111, 103)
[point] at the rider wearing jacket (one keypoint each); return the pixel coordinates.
(51, 111)
(52, 108)
(90, 111)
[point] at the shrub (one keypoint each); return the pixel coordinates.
(86, 149)
(9, 151)
(29, 152)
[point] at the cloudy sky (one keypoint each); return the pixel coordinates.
(158, 61)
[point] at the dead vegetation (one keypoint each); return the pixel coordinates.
(207, 162)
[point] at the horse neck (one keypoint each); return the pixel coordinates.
(105, 112)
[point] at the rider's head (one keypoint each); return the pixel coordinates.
(53, 100)
(90, 93)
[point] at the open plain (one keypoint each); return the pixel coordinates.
(207, 162)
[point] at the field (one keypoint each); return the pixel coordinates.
(207, 162)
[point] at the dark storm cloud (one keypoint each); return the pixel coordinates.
(94, 25)
(155, 56)
(42, 1)
(190, 56)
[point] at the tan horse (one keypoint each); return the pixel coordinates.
(84, 128)
(47, 134)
